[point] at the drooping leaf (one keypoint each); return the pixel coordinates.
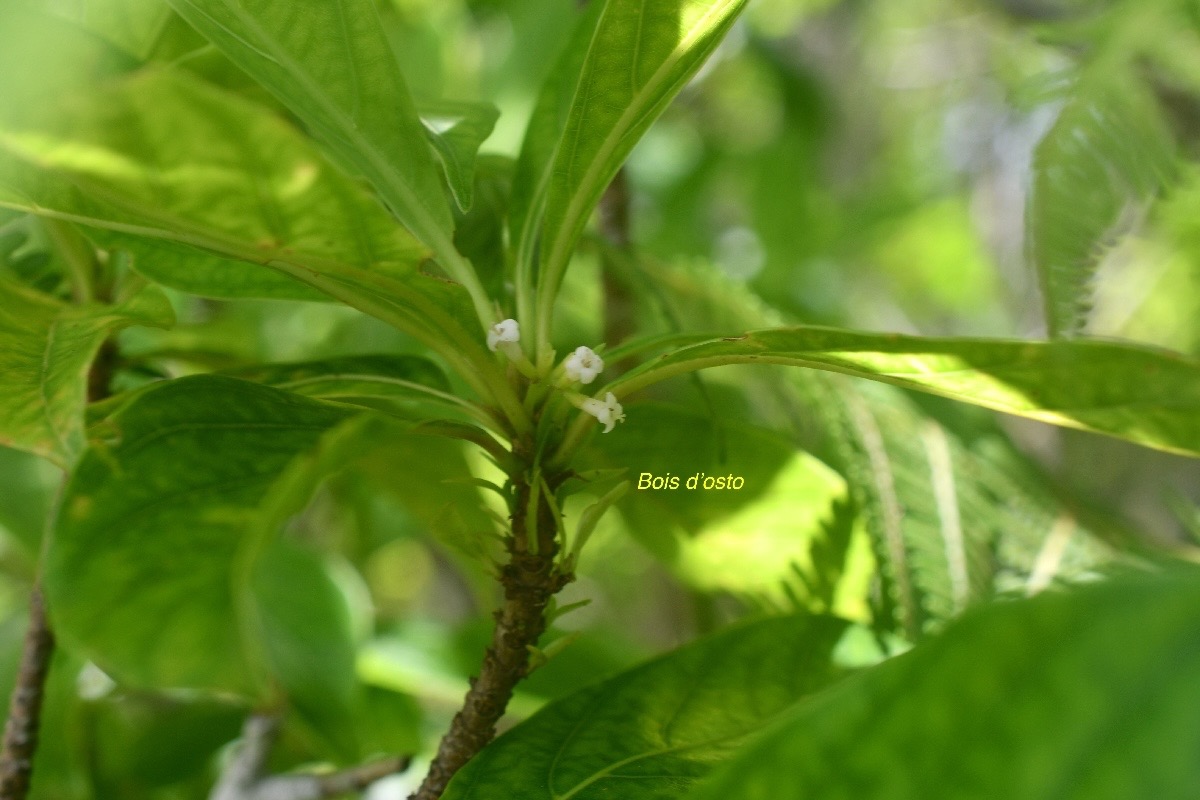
(1147, 396)
(456, 130)
(331, 65)
(655, 730)
(46, 350)
(639, 54)
(1086, 694)
(1108, 151)
(165, 524)
(216, 196)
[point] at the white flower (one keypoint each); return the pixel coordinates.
(583, 365)
(608, 410)
(502, 333)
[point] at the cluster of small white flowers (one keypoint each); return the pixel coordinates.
(582, 366)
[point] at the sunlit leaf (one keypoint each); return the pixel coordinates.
(1147, 396)
(216, 196)
(330, 63)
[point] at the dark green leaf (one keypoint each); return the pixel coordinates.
(46, 349)
(480, 232)
(1084, 695)
(653, 731)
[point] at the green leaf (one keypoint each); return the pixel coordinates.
(653, 731)
(46, 350)
(307, 637)
(331, 65)
(163, 525)
(456, 130)
(639, 54)
(201, 186)
(132, 25)
(1108, 151)
(1087, 694)
(1147, 396)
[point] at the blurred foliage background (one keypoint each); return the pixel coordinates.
(882, 165)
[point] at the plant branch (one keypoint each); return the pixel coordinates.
(530, 579)
(25, 704)
(243, 777)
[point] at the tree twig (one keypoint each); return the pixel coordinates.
(25, 704)
(530, 579)
(244, 776)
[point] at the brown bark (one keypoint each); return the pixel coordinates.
(25, 704)
(529, 579)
